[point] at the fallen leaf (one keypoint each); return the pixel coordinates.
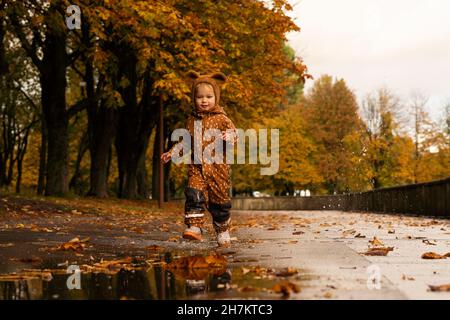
(173, 239)
(414, 238)
(376, 243)
(348, 232)
(441, 288)
(285, 288)
(198, 267)
(248, 289)
(259, 272)
(296, 233)
(359, 235)
(75, 244)
(328, 295)
(111, 263)
(245, 270)
(288, 272)
(404, 277)
(325, 225)
(434, 255)
(198, 262)
(5, 245)
(379, 251)
(426, 241)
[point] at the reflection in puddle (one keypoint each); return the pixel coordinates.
(147, 281)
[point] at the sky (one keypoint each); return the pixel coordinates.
(402, 45)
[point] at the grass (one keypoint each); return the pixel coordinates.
(97, 205)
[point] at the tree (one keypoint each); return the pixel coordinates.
(388, 152)
(298, 169)
(19, 111)
(41, 29)
(425, 136)
(331, 113)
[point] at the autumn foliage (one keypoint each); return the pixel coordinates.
(79, 107)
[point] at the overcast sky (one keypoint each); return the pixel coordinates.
(403, 45)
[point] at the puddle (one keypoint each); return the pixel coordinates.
(148, 279)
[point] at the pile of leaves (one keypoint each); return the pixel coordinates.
(377, 248)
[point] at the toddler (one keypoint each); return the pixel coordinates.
(208, 184)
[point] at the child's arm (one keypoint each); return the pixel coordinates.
(229, 133)
(166, 156)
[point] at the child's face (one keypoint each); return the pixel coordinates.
(204, 97)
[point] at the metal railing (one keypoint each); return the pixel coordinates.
(429, 198)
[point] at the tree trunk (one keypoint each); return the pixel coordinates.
(42, 159)
(135, 123)
(75, 180)
(53, 84)
(142, 175)
(20, 155)
(155, 166)
(102, 128)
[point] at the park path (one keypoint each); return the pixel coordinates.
(330, 248)
(316, 254)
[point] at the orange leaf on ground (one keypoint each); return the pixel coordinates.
(285, 288)
(441, 288)
(75, 244)
(110, 263)
(433, 255)
(198, 267)
(248, 289)
(379, 251)
(198, 262)
(376, 243)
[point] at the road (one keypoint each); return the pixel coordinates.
(320, 253)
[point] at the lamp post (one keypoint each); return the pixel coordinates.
(161, 150)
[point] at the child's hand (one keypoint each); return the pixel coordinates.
(229, 136)
(165, 157)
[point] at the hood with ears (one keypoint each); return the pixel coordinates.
(193, 78)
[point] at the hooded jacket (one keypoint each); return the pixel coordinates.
(215, 118)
